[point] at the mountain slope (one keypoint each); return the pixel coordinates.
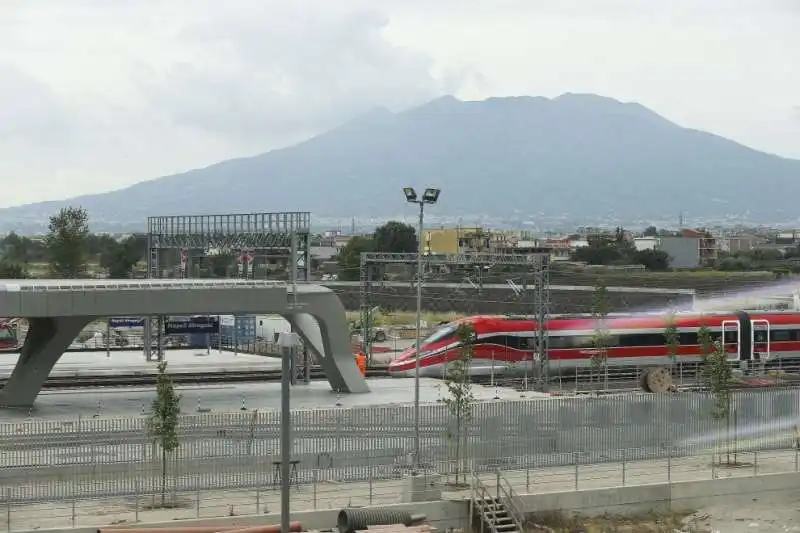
(582, 155)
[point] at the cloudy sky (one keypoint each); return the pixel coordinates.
(99, 94)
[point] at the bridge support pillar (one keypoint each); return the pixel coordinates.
(331, 347)
(46, 341)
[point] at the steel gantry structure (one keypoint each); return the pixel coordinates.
(534, 266)
(181, 246)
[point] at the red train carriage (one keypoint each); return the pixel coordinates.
(633, 340)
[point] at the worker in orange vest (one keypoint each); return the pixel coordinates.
(361, 362)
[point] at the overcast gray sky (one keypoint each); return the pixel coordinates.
(99, 94)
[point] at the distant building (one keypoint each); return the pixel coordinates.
(689, 249)
(646, 243)
(706, 245)
(742, 243)
(458, 240)
(788, 237)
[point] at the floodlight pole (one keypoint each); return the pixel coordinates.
(288, 342)
(419, 335)
(428, 197)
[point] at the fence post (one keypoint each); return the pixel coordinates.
(497, 481)
(528, 480)
(370, 479)
(624, 466)
(669, 465)
(755, 463)
(73, 513)
(258, 500)
(8, 508)
(136, 498)
(575, 456)
(796, 457)
(197, 504)
(314, 489)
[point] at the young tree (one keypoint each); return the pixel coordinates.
(672, 341)
(717, 377)
(67, 243)
(459, 399)
(705, 342)
(601, 337)
(162, 423)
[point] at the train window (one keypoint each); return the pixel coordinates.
(779, 335)
(731, 337)
(581, 342)
(760, 336)
(558, 342)
(511, 341)
(642, 339)
(687, 338)
(441, 334)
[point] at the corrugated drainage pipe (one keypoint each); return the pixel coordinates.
(351, 520)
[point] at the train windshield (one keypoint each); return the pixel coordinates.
(441, 334)
(6, 334)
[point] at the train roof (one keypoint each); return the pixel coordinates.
(645, 320)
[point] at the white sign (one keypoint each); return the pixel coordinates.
(287, 339)
(227, 320)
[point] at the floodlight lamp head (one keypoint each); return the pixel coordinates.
(411, 194)
(430, 196)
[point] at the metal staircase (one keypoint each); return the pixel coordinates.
(498, 508)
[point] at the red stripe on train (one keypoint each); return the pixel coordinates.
(509, 355)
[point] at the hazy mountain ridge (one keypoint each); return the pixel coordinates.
(578, 154)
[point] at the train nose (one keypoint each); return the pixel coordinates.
(399, 368)
(396, 370)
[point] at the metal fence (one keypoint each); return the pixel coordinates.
(318, 494)
(94, 457)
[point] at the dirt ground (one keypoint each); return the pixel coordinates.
(754, 517)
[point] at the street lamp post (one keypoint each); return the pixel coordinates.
(430, 196)
(288, 343)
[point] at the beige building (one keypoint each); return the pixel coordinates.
(457, 240)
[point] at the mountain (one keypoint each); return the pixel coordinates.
(577, 155)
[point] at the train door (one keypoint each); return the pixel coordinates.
(731, 339)
(760, 340)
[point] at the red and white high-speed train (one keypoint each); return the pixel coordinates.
(633, 340)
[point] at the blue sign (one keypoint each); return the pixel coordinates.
(125, 322)
(198, 324)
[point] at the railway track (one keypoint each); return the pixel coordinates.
(184, 378)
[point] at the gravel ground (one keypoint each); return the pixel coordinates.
(741, 517)
(753, 516)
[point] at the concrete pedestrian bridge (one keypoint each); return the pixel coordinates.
(57, 311)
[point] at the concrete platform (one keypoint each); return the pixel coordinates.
(132, 401)
(133, 361)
